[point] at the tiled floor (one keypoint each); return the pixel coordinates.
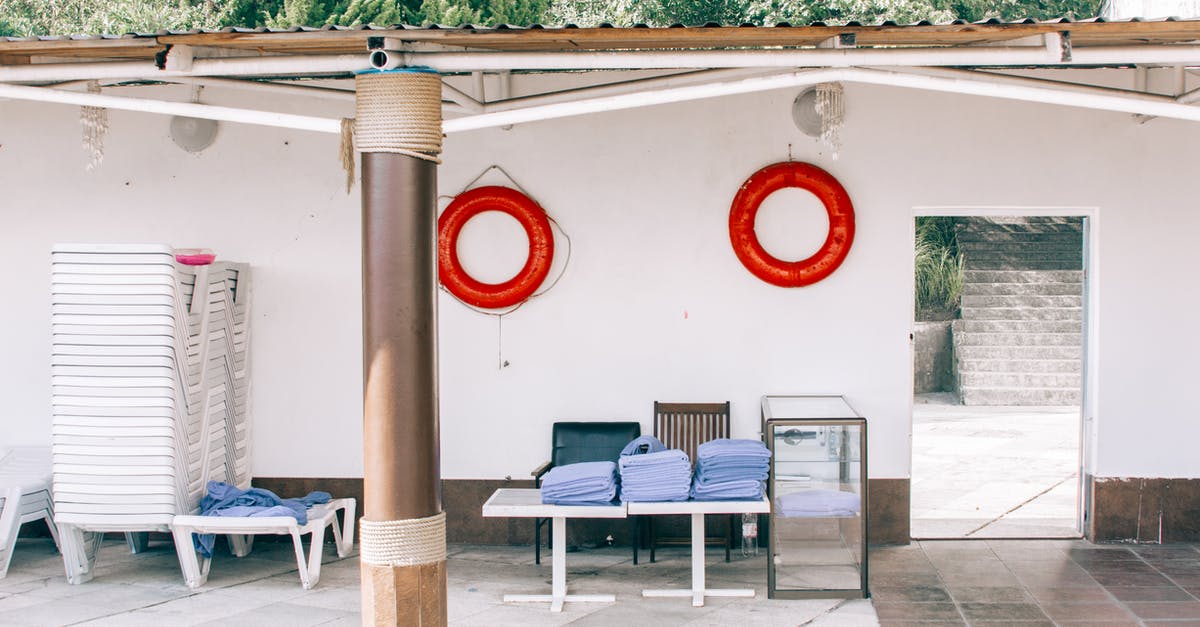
(1043, 582)
(975, 582)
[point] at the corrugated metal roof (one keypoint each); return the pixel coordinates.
(540, 37)
(603, 25)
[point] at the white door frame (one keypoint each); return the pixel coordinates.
(1091, 321)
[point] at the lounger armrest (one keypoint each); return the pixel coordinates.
(541, 470)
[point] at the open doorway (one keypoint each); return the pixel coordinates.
(999, 360)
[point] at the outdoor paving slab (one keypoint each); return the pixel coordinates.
(1165, 609)
(1100, 612)
(917, 611)
(1147, 594)
(910, 594)
(989, 595)
(1094, 594)
(1002, 612)
(282, 615)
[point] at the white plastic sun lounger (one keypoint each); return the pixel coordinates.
(24, 496)
(241, 532)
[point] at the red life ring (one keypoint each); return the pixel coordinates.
(524, 210)
(745, 209)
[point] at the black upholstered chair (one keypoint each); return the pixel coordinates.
(574, 442)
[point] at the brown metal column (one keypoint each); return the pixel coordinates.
(400, 406)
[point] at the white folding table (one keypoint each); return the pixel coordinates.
(527, 503)
(697, 510)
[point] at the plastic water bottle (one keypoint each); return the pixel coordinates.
(749, 535)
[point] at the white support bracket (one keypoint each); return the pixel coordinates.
(179, 59)
(840, 41)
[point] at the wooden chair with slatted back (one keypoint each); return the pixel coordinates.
(686, 426)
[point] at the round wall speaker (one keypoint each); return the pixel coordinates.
(193, 134)
(804, 112)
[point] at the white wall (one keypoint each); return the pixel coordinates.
(644, 196)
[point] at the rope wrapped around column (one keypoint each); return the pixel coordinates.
(399, 111)
(403, 542)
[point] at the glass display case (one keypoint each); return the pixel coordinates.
(817, 486)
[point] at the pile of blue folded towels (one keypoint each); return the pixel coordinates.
(730, 470)
(585, 483)
(652, 472)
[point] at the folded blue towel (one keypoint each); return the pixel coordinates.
(658, 475)
(231, 501)
(593, 498)
(718, 474)
(747, 490)
(642, 445)
(585, 483)
(818, 503)
(672, 457)
(724, 447)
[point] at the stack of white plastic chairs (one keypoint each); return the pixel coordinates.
(24, 496)
(149, 374)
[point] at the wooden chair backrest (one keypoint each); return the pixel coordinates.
(686, 426)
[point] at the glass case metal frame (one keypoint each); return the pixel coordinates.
(769, 422)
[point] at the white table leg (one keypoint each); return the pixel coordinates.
(558, 578)
(558, 589)
(699, 591)
(697, 560)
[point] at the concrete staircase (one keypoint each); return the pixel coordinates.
(1019, 341)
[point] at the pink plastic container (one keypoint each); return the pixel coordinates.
(194, 256)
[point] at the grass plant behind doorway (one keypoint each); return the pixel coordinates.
(939, 269)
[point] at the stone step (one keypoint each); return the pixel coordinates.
(1021, 265)
(1027, 366)
(1022, 220)
(1018, 339)
(1038, 289)
(1020, 223)
(1046, 380)
(978, 352)
(1023, 300)
(976, 258)
(1023, 276)
(1022, 313)
(1019, 396)
(1032, 246)
(968, 326)
(970, 236)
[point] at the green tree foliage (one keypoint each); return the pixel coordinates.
(483, 12)
(939, 269)
(1010, 10)
(26, 18)
(45, 17)
(379, 12)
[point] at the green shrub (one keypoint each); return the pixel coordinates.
(939, 269)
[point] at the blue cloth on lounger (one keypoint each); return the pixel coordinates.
(230, 501)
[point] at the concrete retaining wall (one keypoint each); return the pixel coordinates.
(933, 350)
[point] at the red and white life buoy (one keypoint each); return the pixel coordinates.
(745, 209)
(525, 211)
